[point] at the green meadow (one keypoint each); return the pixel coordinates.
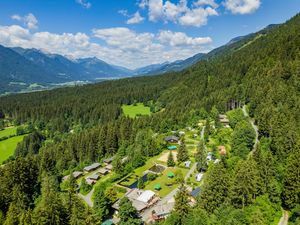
(8, 131)
(136, 110)
(7, 147)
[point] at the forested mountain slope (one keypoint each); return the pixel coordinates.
(263, 73)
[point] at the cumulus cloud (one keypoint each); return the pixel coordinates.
(120, 45)
(84, 4)
(242, 6)
(28, 20)
(137, 18)
(196, 15)
(181, 39)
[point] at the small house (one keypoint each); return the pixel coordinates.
(92, 167)
(103, 171)
(187, 164)
(108, 160)
(94, 177)
(181, 133)
(172, 139)
(224, 120)
(199, 177)
(109, 167)
(162, 211)
(195, 135)
(195, 193)
(222, 150)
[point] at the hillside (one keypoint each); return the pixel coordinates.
(86, 124)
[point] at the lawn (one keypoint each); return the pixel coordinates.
(8, 131)
(136, 110)
(163, 180)
(7, 147)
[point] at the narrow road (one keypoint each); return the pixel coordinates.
(254, 127)
(191, 171)
(88, 198)
(284, 219)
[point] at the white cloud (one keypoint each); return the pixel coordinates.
(84, 4)
(137, 18)
(123, 12)
(29, 20)
(120, 45)
(242, 6)
(196, 15)
(181, 39)
(211, 3)
(142, 4)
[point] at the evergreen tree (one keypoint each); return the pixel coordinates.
(101, 203)
(182, 155)
(182, 207)
(216, 188)
(170, 162)
(291, 188)
(141, 183)
(128, 214)
(201, 157)
(245, 183)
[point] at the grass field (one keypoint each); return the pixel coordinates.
(8, 131)
(135, 110)
(7, 147)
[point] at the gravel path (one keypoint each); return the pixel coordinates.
(284, 219)
(254, 127)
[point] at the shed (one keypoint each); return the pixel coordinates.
(181, 133)
(109, 167)
(108, 160)
(195, 135)
(94, 177)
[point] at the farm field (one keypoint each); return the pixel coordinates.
(136, 110)
(7, 147)
(8, 131)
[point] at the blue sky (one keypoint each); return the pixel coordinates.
(134, 33)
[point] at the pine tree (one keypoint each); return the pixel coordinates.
(216, 188)
(101, 203)
(128, 214)
(182, 207)
(201, 157)
(182, 155)
(291, 188)
(170, 162)
(141, 183)
(245, 183)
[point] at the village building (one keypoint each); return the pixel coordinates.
(181, 133)
(224, 120)
(103, 171)
(76, 174)
(187, 164)
(108, 160)
(195, 135)
(109, 167)
(199, 177)
(172, 139)
(222, 150)
(162, 211)
(140, 199)
(92, 167)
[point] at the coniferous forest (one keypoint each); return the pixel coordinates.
(77, 126)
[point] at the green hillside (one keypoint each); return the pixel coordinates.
(82, 125)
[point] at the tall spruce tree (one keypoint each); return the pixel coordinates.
(201, 157)
(182, 207)
(170, 162)
(128, 214)
(182, 155)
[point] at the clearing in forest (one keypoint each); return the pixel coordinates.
(8, 147)
(8, 132)
(135, 110)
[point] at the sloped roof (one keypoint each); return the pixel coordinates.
(146, 196)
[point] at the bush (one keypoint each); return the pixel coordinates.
(151, 176)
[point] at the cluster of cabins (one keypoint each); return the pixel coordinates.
(101, 171)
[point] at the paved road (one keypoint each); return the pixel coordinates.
(254, 127)
(284, 219)
(191, 171)
(88, 198)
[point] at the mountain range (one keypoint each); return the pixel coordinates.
(31, 69)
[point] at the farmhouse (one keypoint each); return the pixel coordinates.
(140, 199)
(172, 139)
(91, 167)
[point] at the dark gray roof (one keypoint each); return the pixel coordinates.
(92, 167)
(195, 192)
(172, 138)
